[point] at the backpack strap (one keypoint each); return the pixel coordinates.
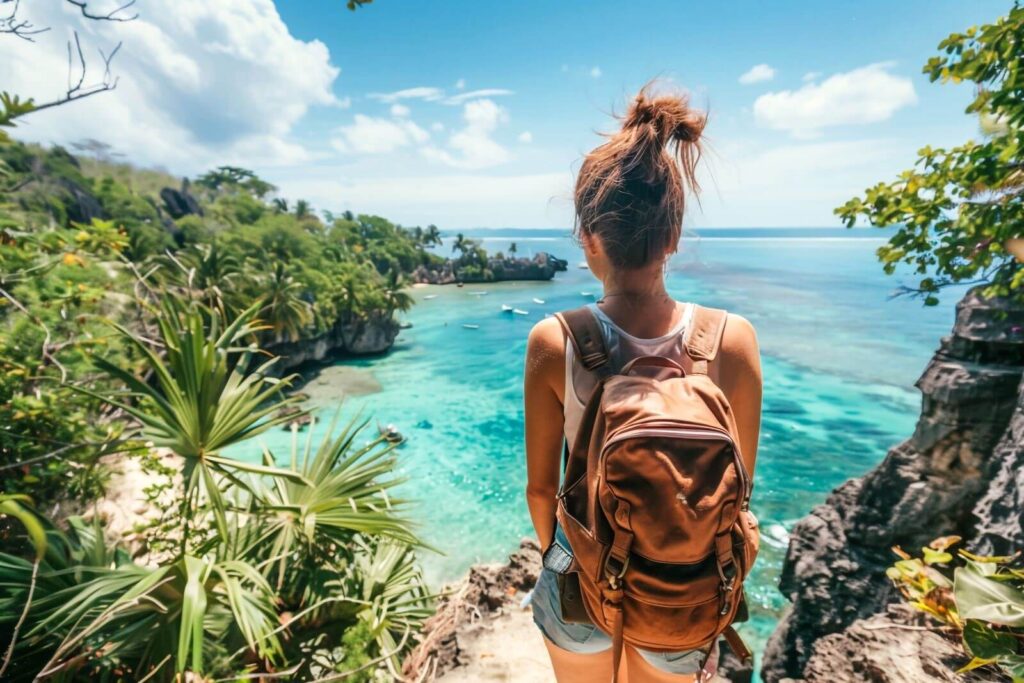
(705, 336)
(587, 341)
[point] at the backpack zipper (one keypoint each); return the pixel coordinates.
(684, 432)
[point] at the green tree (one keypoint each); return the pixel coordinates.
(960, 211)
(284, 310)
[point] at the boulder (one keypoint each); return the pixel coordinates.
(958, 474)
(180, 203)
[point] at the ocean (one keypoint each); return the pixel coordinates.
(840, 357)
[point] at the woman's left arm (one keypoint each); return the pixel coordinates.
(542, 389)
(739, 375)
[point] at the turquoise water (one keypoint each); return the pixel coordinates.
(840, 359)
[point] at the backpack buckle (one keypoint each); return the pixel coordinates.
(614, 576)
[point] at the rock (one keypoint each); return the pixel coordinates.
(374, 334)
(180, 203)
(897, 646)
(543, 266)
(957, 474)
(81, 206)
(486, 590)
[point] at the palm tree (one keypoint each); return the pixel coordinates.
(460, 244)
(303, 210)
(284, 310)
(395, 294)
(280, 205)
(512, 249)
(316, 547)
(432, 236)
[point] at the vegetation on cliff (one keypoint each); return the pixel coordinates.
(960, 210)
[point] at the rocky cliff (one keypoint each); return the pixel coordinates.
(543, 266)
(960, 473)
(365, 336)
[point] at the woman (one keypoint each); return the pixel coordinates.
(630, 198)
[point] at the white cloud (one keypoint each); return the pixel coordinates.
(477, 94)
(758, 74)
(525, 137)
(437, 126)
(460, 84)
(595, 72)
(865, 95)
(399, 110)
(422, 92)
(811, 76)
(369, 135)
(473, 146)
(344, 103)
(200, 82)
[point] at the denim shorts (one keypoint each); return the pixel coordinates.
(589, 639)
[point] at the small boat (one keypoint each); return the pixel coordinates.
(405, 325)
(584, 266)
(470, 326)
(586, 294)
(519, 311)
(428, 297)
(505, 308)
(538, 301)
(391, 434)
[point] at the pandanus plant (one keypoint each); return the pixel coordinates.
(272, 564)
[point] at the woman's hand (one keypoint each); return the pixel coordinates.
(543, 389)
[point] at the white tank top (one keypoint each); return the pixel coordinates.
(622, 347)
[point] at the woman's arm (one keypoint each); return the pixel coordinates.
(739, 375)
(543, 387)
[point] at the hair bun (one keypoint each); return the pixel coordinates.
(667, 117)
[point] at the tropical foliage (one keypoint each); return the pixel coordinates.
(297, 564)
(960, 210)
(85, 240)
(980, 597)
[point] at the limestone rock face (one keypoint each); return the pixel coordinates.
(366, 336)
(958, 474)
(893, 647)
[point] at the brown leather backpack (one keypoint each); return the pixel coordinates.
(655, 498)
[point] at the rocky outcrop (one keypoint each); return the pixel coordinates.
(486, 590)
(180, 203)
(955, 475)
(372, 335)
(80, 205)
(897, 646)
(543, 266)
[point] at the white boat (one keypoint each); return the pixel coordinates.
(584, 266)
(519, 311)
(430, 296)
(505, 308)
(470, 326)
(586, 294)
(538, 301)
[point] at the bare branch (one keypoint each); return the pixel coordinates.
(114, 15)
(23, 29)
(77, 90)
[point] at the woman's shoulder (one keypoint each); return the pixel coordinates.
(547, 339)
(739, 348)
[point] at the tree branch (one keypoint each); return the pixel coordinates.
(23, 29)
(114, 15)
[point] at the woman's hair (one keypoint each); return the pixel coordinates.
(631, 191)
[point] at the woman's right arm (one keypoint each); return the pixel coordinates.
(542, 395)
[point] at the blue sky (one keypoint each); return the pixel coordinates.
(468, 114)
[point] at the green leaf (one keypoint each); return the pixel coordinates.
(978, 596)
(984, 642)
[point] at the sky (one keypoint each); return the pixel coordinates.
(469, 114)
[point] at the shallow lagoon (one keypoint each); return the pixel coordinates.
(840, 358)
